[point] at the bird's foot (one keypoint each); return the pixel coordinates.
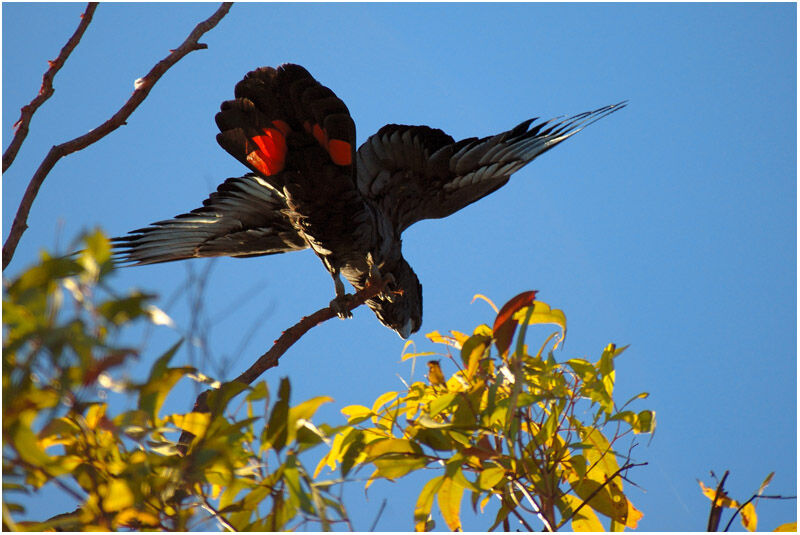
(341, 303)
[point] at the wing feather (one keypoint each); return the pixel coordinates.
(416, 172)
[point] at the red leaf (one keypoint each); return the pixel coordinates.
(505, 325)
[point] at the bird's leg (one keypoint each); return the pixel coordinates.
(375, 277)
(340, 303)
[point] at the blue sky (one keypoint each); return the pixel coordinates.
(669, 226)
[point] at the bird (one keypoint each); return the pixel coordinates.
(435, 374)
(310, 188)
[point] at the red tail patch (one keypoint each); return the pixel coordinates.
(341, 152)
(270, 156)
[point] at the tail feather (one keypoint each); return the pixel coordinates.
(244, 217)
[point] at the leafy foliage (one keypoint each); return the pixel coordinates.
(540, 438)
(510, 425)
(123, 470)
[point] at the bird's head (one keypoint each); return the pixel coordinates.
(400, 307)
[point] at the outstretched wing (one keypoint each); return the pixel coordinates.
(416, 172)
(244, 217)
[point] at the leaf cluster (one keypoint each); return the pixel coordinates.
(538, 436)
(122, 469)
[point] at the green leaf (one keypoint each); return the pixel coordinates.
(441, 403)
(489, 477)
(260, 391)
(395, 457)
(153, 393)
(302, 412)
(276, 432)
(474, 349)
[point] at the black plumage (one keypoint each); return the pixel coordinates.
(309, 187)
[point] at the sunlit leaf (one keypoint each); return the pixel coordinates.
(118, 496)
(158, 316)
(749, 517)
(382, 400)
(542, 314)
(585, 519)
(722, 501)
(473, 350)
(455, 340)
(422, 509)
(489, 477)
(449, 499)
(765, 483)
(791, 526)
(303, 412)
(481, 296)
(195, 423)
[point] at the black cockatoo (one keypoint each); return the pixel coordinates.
(310, 187)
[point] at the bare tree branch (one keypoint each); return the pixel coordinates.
(281, 345)
(47, 89)
(143, 87)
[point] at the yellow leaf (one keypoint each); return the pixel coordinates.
(437, 338)
(95, 414)
(749, 517)
(449, 498)
(422, 509)
(356, 411)
(543, 314)
(489, 477)
(382, 400)
(459, 337)
(585, 519)
(791, 526)
(491, 304)
(195, 423)
(600, 456)
(118, 496)
(723, 501)
(408, 356)
(134, 518)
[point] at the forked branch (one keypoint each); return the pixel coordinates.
(47, 90)
(142, 89)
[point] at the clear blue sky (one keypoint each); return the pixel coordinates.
(670, 226)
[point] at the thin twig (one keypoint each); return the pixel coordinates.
(47, 90)
(378, 516)
(756, 497)
(143, 87)
(217, 515)
(281, 345)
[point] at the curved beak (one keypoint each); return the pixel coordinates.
(405, 330)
